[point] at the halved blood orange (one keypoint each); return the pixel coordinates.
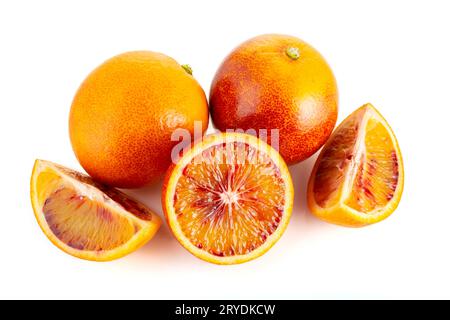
(358, 177)
(229, 198)
(85, 219)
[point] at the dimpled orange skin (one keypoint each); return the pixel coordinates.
(124, 113)
(258, 86)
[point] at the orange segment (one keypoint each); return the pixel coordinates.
(377, 175)
(86, 219)
(83, 224)
(358, 177)
(334, 161)
(229, 198)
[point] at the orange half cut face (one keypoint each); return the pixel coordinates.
(229, 198)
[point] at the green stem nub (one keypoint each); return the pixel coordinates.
(293, 53)
(187, 68)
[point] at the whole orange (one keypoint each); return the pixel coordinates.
(124, 114)
(277, 82)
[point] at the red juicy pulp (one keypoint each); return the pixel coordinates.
(84, 223)
(369, 160)
(230, 199)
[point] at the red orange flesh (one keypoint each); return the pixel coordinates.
(358, 177)
(229, 198)
(86, 219)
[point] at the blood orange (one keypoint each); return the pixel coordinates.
(358, 177)
(86, 219)
(277, 82)
(229, 198)
(124, 113)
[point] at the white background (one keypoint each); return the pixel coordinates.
(394, 54)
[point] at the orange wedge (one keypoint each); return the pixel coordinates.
(86, 219)
(358, 177)
(229, 198)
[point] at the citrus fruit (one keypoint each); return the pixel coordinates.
(229, 198)
(124, 114)
(277, 82)
(85, 219)
(358, 178)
